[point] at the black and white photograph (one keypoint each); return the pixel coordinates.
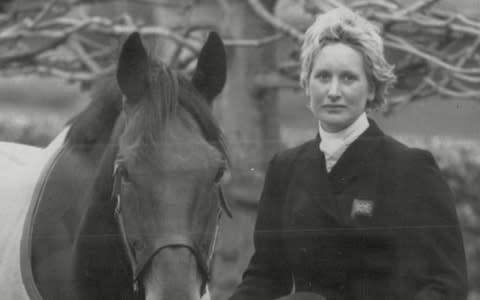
(239, 149)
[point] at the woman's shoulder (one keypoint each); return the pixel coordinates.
(404, 155)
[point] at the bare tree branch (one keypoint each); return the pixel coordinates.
(438, 48)
(83, 56)
(275, 22)
(417, 6)
(443, 42)
(401, 44)
(254, 42)
(45, 11)
(15, 56)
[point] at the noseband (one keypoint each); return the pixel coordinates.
(138, 267)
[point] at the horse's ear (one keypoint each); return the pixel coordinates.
(132, 68)
(211, 72)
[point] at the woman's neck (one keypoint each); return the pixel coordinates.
(360, 124)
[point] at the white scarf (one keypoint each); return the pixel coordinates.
(334, 144)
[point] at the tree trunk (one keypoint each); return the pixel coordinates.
(248, 115)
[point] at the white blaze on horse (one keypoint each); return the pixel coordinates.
(125, 202)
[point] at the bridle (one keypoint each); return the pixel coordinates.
(137, 267)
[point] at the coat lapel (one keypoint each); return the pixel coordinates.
(316, 198)
(310, 194)
(357, 159)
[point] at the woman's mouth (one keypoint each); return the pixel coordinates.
(333, 106)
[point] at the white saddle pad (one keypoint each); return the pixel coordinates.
(20, 166)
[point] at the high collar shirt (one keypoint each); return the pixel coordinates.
(334, 144)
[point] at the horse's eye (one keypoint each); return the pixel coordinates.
(220, 173)
(124, 174)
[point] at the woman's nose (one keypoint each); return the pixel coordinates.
(334, 91)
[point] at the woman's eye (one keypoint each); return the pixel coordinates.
(323, 76)
(349, 78)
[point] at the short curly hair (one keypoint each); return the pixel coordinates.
(345, 26)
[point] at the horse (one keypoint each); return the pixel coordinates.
(124, 203)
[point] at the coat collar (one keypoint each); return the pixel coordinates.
(358, 156)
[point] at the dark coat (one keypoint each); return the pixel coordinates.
(381, 225)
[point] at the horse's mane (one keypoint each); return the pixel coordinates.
(201, 112)
(94, 125)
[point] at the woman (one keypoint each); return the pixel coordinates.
(353, 214)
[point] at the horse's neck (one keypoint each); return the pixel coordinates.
(97, 251)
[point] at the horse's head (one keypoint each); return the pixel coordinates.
(168, 167)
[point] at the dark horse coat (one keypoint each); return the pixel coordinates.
(381, 225)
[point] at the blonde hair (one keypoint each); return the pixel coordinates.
(345, 26)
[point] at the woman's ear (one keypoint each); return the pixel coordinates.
(370, 102)
(371, 95)
(372, 91)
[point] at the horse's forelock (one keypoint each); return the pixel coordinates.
(168, 91)
(94, 124)
(157, 108)
(164, 89)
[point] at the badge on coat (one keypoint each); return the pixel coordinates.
(361, 207)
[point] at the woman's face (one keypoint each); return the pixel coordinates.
(338, 87)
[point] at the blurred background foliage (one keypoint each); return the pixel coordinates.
(262, 109)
